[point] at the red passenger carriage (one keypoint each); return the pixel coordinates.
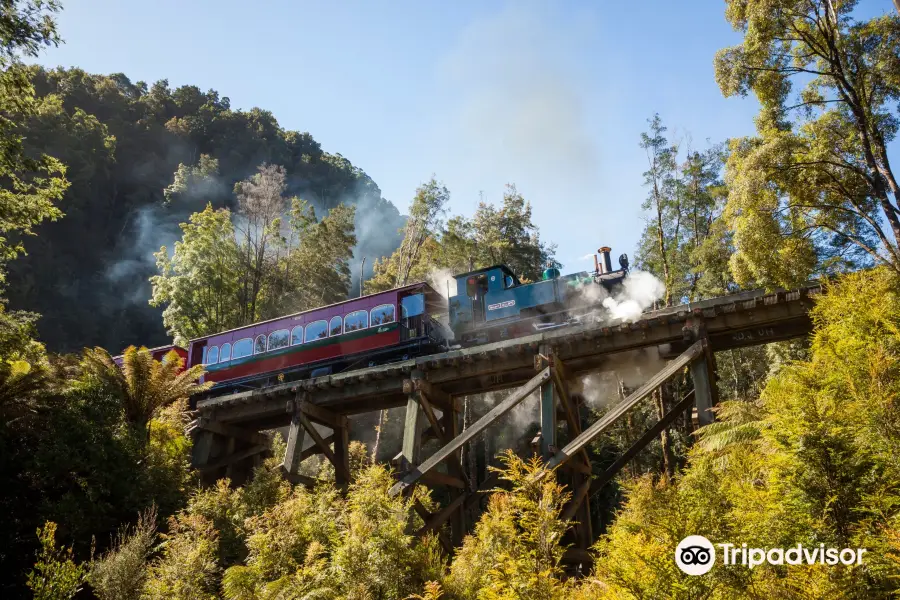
(373, 329)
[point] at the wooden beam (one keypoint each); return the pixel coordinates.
(705, 390)
(227, 460)
(298, 479)
(437, 396)
(577, 498)
(470, 433)
(342, 475)
(202, 448)
(589, 434)
(438, 478)
(321, 415)
(294, 448)
(577, 555)
(561, 377)
(339, 467)
(414, 424)
(429, 413)
(436, 520)
(648, 436)
(427, 516)
(314, 449)
(245, 435)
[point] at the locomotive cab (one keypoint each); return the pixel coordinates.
(491, 304)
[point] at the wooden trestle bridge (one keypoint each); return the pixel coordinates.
(228, 441)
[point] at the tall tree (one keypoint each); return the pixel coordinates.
(261, 203)
(200, 283)
(493, 235)
(815, 188)
(428, 208)
(660, 244)
(232, 269)
(31, 184)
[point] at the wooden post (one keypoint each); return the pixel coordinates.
(415, 424)
(292, 455)
(548, 411)
(450, 423)
(705, 395)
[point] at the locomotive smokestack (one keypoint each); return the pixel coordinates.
(607, 265)
(596, 265)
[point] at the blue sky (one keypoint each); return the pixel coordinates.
(551, 96)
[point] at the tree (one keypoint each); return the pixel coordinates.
(142, 384)
(814, 190)
(200, 283)
(31, 184)
(261, 204)
(55, 575)
(494, 235)
(121, 142)
(428, 207)
(660, 248)
(200, 179)
(812, 462)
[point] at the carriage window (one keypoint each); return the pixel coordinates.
(412, 306)
(242, 348)
(356, 320)
(279, 339)
(316, 330)
(382, 314)
(260, 345)
(334, 327)
(225, 354)
(212, 355)
(297, 335)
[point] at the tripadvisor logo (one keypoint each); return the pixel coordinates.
(696, 555)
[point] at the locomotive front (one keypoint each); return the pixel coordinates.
(491, 304)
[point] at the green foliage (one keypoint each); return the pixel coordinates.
(199, 282)
(121, 142)
(55, 575)
(814, 190)
(231, 270)
(31, 182)
(187, 567)
(516, 547)
(142, 385)
(494, 235)
(120, 574)
(70, 456)
(684, 242)
(812, 462)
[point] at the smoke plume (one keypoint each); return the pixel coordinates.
(619, 374)
(639, 291)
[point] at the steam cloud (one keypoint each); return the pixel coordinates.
(640, 291)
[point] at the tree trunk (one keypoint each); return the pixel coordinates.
(382, 417)
(665, 442)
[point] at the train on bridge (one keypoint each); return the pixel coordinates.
(490, 304)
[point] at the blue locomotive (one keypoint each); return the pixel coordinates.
(491, 304)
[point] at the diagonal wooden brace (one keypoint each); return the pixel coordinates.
(470, 433)
(589, 434)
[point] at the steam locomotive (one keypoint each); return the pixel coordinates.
(490, 304)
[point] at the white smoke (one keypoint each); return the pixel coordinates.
(443, 281)
(620, 373)
(639, 291)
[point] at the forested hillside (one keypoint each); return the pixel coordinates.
(148, 212)
(122, 142)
